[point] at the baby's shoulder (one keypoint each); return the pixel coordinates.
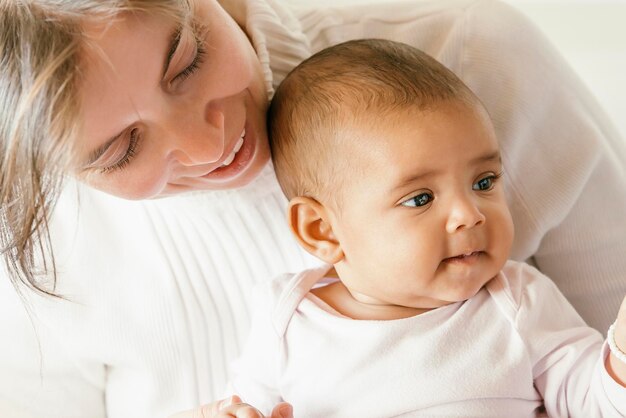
(519, 284)
(286, 286)
(280, 296)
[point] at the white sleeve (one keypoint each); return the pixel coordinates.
(255, 372)
(566, 356)
(38, 377)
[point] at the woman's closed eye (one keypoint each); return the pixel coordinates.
(486, 183)
(193, 66)
(418, 200)
(129, 154)
(187, 49)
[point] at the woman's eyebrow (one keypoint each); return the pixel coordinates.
(173, 45)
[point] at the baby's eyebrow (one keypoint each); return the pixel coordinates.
(414, 177)
(173, 46)
(491, 156)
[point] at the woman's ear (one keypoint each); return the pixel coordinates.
(310, 223)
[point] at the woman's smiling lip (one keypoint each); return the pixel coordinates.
(219, 171)
(229, 156)
(241, 160)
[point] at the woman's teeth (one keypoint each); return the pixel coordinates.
(238, 146)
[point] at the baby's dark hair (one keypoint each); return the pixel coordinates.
(357, 81)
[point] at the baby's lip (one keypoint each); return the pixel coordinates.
(464, 254)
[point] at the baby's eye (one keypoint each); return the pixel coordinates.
(484, 184)
(421, 199)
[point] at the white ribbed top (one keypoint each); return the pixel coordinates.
(157, 287)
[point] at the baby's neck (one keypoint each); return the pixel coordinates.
(338, 297)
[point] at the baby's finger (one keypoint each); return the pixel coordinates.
(211, 410)
(240, 410)
(282, 410)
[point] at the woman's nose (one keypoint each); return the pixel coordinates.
(198, 140)
(464, 214)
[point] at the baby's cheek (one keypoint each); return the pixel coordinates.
(503, 229)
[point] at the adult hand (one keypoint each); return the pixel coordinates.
(233, 407)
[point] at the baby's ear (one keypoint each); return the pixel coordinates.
(309, 221)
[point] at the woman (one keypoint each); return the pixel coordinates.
(147, 99)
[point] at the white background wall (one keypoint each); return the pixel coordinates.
(591, 34)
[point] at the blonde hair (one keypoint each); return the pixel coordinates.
(40, 47)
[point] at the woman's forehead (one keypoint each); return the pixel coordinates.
(125, 29)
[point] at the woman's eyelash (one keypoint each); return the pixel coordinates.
(128, 156)
(195, 64)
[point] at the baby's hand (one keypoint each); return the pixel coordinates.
(616, 367)
(233, 407)
(238, 409)
(620, 327)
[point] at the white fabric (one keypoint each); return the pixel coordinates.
(156, 308)
(498, 354)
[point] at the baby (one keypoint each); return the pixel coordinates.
(394, 178)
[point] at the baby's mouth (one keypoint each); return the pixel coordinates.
(464, 257)
(468, 255)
